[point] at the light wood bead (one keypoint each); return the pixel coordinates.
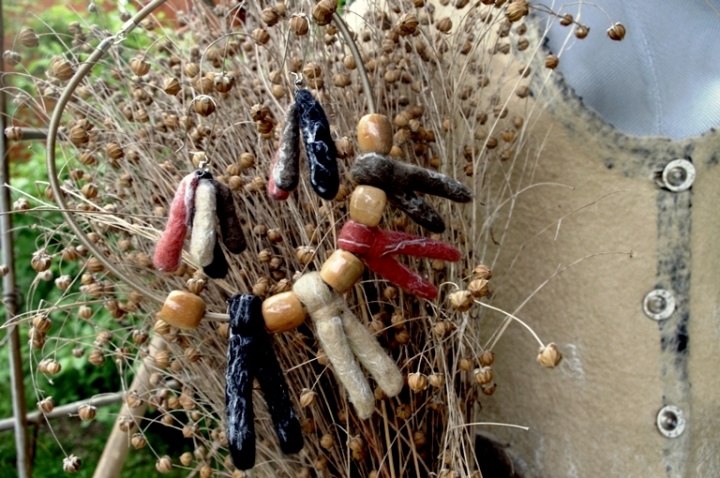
(375, 134)
(282, 312)
(182, 309)
(367, 204)
(341, 271)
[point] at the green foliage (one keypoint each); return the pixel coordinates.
(43, 229)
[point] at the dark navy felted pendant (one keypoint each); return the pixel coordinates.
(319, 145)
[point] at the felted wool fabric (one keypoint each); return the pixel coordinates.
(251, 356)
(325, 308)
(168, 251)
(203, 235)
(230, 227)
(319, 145)
(285, 173)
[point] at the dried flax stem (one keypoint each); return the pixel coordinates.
(55, 120)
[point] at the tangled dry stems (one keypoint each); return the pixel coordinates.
(445, 82)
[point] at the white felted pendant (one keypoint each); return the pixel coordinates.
(203, 237)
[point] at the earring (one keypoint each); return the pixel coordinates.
(307, 117)
(200, 205)
(250, 355)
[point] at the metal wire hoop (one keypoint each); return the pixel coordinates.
(80, 74)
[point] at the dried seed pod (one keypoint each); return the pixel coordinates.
(517, 10)
(549, 356)
(52, 367)
(465, 364)
(191, 70)
(305, 254)
(341, 80)
(461, 300)
(90, 191)
(46, 405)
(162, 359)
(85, 312)
(139, 441)
(616, 32)
(299, 25)
(436, 380)
(71, 464)
(186, 458)
(62, 69)
(270, 16)
(488, 388)
(487, 358)
(566, 20)
(551, 61)
(483, 375)
(261, 36)
(42, 323)
(40, 261)
(204, 84)
(224, 83)
(322, 12)
(582, 31)
(171, 86)
(407, 24)
(87, 412)
(204, 105)
(478, 288)
(79, 135)
(164, 465)
(139, 66)
(307, 398)
(327, 441)
(28, 38)
(417, 382)
(114, 151)
(444, 25)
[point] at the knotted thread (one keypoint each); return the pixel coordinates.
(343, 338)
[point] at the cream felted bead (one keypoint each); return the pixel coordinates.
(282, 312)
(367, 205)
(375, 134)
(182, 309)
(342, 270)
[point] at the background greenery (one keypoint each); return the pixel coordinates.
(78, 380)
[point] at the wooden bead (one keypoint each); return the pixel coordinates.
(282, 312)
(341, 270)
(182, 309)
(367, 204)
(375, 134)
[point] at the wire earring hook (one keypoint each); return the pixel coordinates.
(298, 80)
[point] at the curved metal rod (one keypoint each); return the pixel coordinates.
(362, 72)
(69, 90)
(51, 159)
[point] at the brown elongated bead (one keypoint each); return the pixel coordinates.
(182, 309)
(282, 312)
(342, 270)
(367, 204)
(375, 134)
